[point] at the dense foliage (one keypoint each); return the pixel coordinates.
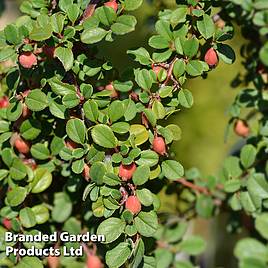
(86, 148)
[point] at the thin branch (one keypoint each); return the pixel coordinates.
(197, 188)
(170, 70)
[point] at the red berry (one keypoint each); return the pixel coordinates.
(126, 171)
(113, 4)
(53, 261)
(211, 57)
(22, 146)
(4, 102)
(86, 172)
(7, 223)
(27, 60)
(114, 92)
(159, 145)
(94, 261)
(133, 204)
(241, 128)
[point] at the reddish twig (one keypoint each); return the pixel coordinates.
(191, 185)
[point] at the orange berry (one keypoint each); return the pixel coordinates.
(113, 4)
(133, 204)
(126, 171)
(241, 128)
(159, 145)
(4, 102)
(22, 146)
(27, 60)
(94, 261)
(7, 223)
(53, 261)
(211, 57)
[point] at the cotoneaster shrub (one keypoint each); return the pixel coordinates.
(86, 148)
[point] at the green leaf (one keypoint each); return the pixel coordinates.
(106, 15)
(250, 248)
(163, 258)
(18, 170)
(40, 151)
(6, 53)
(206, 26)
(172, 170)
(91, 110)
(226, 53)
(248, 155)
(175, 130)
(111, 228)
(97, 172)
(158, 42)
(261, 224)
(194, 68)
(144, 79)
(76, 130)
(132, 4)
(57, 22)
(178, 16)
(146, 223)
(28, 262)
(141, 175)
(14, 111)
(41, 214)
(40, 33)
(145, 196)
(193, 245)
(36, 100)
(204, 206)
(70, 100)
(27, 217)
(190, 47)
(41, 181)
(16, 196)
(65, 55)
(61, 200)
(159, 110)
(93, 35)
(148, 157)
(30, 129)
(185, 98)
(60, 88)
(124, 24)
(104, 136)
(12, 34)
(258, 186)
(140, 134)
(120, 127)
(179, 68)
(130, 109)
(263, 54)
(141, 55)
(118, 256)
(73, 12)
(163, 28)
(116, 110)
(138, 254)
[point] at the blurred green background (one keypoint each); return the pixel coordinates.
(203, 126)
